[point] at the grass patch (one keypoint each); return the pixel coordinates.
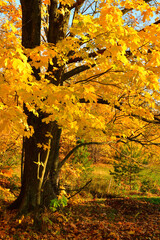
(103, 183)
(153, 171)
(101, 180)
(102, 170)
(154, 200)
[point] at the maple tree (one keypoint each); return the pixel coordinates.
(83, 68)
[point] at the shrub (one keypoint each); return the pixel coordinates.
(127, 166)
(148, 185)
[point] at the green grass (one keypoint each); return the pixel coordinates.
(152, 172)
(102, 170)
(154, 200)
(103, 183)
(101, 179)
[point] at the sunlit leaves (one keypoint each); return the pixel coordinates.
(123, 69)
(69, 2)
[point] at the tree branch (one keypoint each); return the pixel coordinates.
(143, 142)
(101, 101)
(75, 71)
(92, 54)
(77, 4)
(126, 10)
(94, 76)
(79, 190)
(74, 149)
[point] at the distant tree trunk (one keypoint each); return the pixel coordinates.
(40, 176)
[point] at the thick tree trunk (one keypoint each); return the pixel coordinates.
(40, 176)
(31, 23)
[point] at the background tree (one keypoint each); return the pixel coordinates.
(82, 161)
(127, 165)
(93, 75)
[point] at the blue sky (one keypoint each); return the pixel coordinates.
(18, 2)
(147, 23)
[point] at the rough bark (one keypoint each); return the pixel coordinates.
(40, 176)
(31, 23)
(58, 24)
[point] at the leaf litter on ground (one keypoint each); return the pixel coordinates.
(117, 218)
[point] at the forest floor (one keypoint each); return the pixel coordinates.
(115, 218)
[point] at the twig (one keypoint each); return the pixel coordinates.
(80, 189)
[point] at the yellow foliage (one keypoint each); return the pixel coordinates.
(123, 66)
